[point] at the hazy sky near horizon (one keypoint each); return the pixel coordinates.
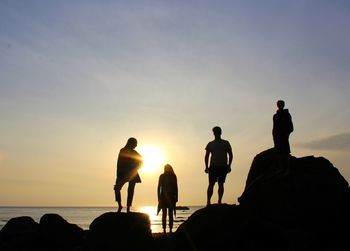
(78, 78)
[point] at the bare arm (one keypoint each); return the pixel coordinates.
(230, 159)
(206, 161)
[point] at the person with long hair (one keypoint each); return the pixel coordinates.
(129, 161)
(167, 192)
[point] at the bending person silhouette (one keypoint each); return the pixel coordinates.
(129, 161)
(282, 127)
(220, 153)
(167, 192)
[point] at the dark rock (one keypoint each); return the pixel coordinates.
(120, 231)
(163, 242)
(57, 234)
(205, 229)
(296, 192)
(19, 233)
(289, 203)
(227, 227)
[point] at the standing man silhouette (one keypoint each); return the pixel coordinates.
(129, 161)
(282, 127)
(220, 153)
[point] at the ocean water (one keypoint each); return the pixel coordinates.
(83, 216)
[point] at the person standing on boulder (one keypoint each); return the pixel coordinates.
(167, 193)
(220, 153)
(129, 161)
(282, 128)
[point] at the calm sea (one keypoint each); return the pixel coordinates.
(83, 216)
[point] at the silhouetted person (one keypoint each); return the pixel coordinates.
(282, 127)
(221, 156)
(167, 192)
(129, 161)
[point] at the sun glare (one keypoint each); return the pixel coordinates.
(153, 158)
(151, 211)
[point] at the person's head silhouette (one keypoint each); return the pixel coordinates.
(132, 143)
(217, 131)
(168, 169)
(280, 104)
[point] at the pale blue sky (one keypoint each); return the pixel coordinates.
(77, 78)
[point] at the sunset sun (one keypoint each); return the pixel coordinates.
(153, 158)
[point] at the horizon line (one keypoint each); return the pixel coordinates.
(24, 206)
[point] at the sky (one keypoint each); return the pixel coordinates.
(78, 78)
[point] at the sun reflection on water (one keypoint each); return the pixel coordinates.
(151, 211)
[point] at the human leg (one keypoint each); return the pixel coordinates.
(212, 180)
(117, 188)
(119, 201)
(286, 144)
(164, 214)
(220, 192)
(282, 143)
(171, 219)
(222, 172)
(210, 192)
(131, 189)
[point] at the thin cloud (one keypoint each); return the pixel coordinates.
(335, 142)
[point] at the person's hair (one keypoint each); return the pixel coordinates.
(217, 130)
(131, 143)
(168, 169)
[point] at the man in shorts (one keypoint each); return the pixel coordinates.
(220, 153)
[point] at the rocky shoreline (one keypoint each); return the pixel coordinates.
(289, 203)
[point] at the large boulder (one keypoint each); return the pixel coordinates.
(289, 203)
(227, 227)
(19, 233)
(306, 192)
(58, 234)
(120, 231)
